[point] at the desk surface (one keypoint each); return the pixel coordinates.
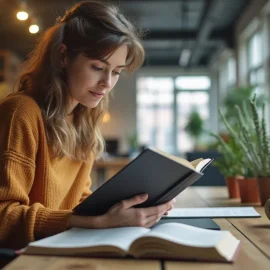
(254, 234)
(111, 162)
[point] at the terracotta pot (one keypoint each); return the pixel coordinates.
(264, 188)
(232, 185)
(249, 192)
(267, 208)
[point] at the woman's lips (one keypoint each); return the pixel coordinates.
(98, 95)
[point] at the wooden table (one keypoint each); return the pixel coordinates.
(254, 234)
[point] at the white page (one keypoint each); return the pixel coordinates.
(188, 235)
(213, 212)
(77, 238)
(202, 164)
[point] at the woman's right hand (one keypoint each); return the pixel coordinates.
(124, 214)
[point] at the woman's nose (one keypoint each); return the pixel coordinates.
(106, 81)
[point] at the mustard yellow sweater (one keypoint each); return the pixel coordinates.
(37, 193)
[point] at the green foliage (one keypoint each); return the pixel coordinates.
(133, 141)
(251, 136)
(195, 126)
(239, 96)
(231, 161)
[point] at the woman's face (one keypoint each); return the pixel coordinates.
(89, 80)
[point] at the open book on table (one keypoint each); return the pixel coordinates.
(166, 241)
(162, 176)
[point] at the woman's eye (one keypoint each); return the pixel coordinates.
(117, 73)
(97, 68)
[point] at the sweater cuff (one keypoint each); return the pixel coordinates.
(50, 222)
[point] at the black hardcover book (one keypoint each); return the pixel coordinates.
(160, 175)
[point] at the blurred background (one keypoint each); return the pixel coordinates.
(201, 55)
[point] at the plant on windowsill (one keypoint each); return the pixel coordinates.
(252, 137)
(133, 144)
(194, 127)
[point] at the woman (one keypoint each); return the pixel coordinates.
(49, 129)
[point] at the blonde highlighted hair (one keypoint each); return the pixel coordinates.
(96, 29)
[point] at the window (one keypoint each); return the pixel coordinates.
(193, 83)
(255, 48)
(155, 112)
(256, 74)
(231, 69)
(163, 108)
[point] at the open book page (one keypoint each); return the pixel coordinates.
(196, 162)
(213, 212)
(80, 238)
(175, 158)
(187, 235)
(201, 164)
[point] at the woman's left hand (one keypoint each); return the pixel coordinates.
(174, 200)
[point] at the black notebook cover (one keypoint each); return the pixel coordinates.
(151, 172)
(204, 223)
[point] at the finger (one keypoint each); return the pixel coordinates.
(125, 204)
(143, 220)
(166, 213)
(152, 222)
(156, 210)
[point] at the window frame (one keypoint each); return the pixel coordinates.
(174, 104)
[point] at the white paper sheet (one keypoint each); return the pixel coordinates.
(212, 212)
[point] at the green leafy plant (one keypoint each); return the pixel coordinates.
(231, 161)
(239, 96)
(133, 141)
(195, 126)
(252, 137)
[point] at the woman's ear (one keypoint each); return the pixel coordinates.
(63, 55)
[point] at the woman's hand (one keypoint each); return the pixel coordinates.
(173, 200)
(124, 214)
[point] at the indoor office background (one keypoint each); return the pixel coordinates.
(197, 51)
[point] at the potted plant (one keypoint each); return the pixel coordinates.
(267, 208)
(251, 135)
(237, 96)
(195, 127)
(230, 164)
(133, 144)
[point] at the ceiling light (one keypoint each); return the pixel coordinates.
(184, 57)
(33, 29)
(106, 118)
(22, 15)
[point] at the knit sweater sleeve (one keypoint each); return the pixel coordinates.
(19, 135)
(88, 168)
(86, 191)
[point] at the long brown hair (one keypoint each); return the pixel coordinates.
(96, 29)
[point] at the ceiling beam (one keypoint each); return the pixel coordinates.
(206, 26)
(172, 35)
(161, 44)
(227, 35)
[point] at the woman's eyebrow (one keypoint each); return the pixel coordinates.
(107, 63)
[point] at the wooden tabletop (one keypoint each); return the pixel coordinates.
(111, 162)
(254, 234)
